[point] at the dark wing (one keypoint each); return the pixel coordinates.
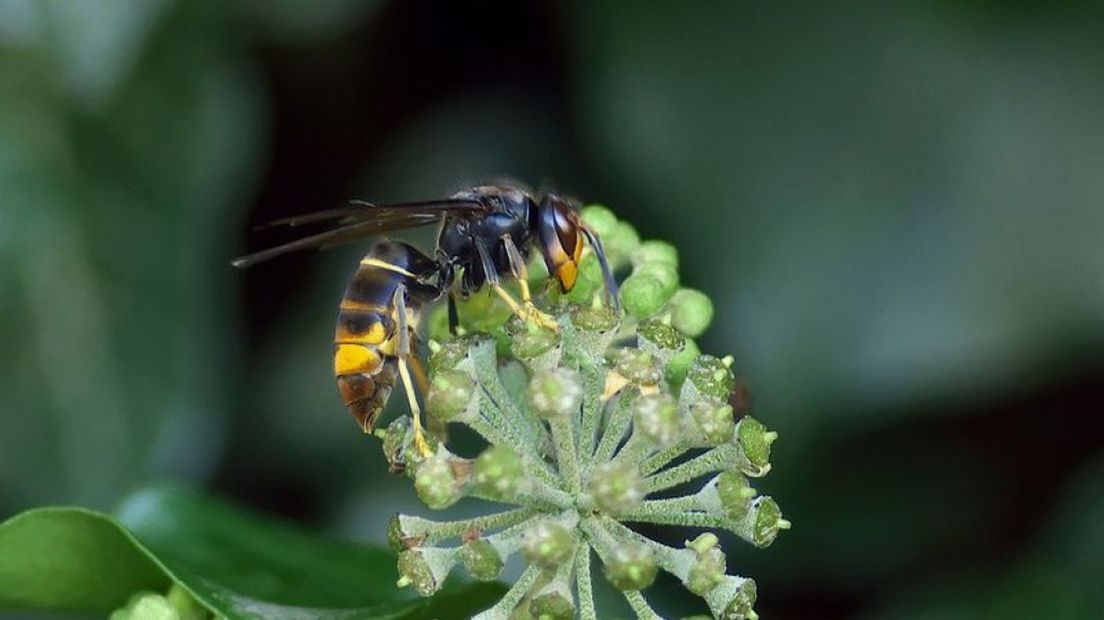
(358, 221)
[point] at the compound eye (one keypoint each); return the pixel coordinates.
(567, 230)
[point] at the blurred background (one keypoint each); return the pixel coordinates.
(898, 209)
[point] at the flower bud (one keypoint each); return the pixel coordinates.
(706, 572)
(643, 295)
(666, 274)
(420, 570)
(768, 521)
(146, 606)
(681, 362)
(631, 567)
(755, 440)
(528, 341)
(737, 595)
(712, 377)
(600, 219)
(451, 395)
(481, 560)
(547, 544)
(654, 251)
(714, 420)
(638, 366)
(394, 439)
(661, 336)
(499, 473)
(620, 242)
(691, 312)
(436, 484)
(657, 417)
(451, 353)
(551, 606)
(616, 487)
(735, 494)
(556, 392)
(594, 318)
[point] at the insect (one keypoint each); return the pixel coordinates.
(486, 236)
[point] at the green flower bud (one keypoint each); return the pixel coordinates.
(755, 440)
(600, 219)
(415, 570)
(740, 595)
(654, 251)
(547, 544)
(661, 335)
(499, 473)
(680, 364)
(638, 366)
(666, 274)
(595, 318)
(451, 395)
(706, 572)
(620, 242)
(657, 417)
(714, 420)
(556, 392)
(438, 323)
(481, 560)
(735, 494)
(616, 487)
(185, 606)
(146, 606)
(691, 312)
(768, 521)
(631, 567)
(394, 440)
(643, 295)
(451, 353)
(552, 606)
(436, 484)
(712, 377)
(528, 341)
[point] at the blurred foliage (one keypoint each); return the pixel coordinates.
(235, 564)
(895, 206)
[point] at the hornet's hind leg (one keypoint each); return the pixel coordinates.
(406, 354)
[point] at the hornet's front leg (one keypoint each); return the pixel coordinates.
(526, 309)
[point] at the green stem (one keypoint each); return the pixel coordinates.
(584, 584)
(513, 596)
(718, 459)
(435, 531)
(568, 460)
(640, 606)
(616, 426)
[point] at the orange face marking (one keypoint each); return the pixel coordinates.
(352, 359)
(567, 274)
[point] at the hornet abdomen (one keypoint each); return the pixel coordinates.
(366, 341)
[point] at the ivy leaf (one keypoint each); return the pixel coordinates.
(235, 563)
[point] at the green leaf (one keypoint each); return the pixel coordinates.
(237, 564)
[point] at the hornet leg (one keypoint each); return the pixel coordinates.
(526, 310)
(405, 353)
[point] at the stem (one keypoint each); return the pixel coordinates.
(720, 458)
(506, 412)
(640, 606)
(568, 460)
(656, 462)
(499, 435)
(510, 600)
(593, 407)
(583, 583)
(539, 496)
(435, 531)
(616, 426)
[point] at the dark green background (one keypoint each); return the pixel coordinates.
(898, 209)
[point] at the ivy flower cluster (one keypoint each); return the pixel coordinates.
(589, 429)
